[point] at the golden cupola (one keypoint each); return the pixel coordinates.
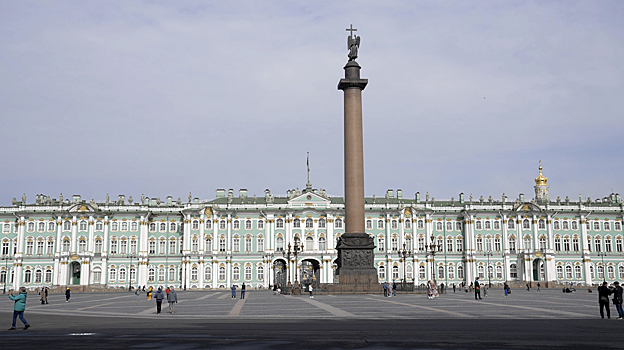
(541, 180)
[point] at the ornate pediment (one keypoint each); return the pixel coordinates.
(308, 199)
(529, 206)
(83, 208)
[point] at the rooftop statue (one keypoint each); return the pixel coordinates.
(353, 44)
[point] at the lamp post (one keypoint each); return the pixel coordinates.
(286, 255)
(404, 254)
(296, 251)
(130, 273)
(489, 254)
(431, 249)
(602, 255)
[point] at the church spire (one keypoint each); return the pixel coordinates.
(541, 186)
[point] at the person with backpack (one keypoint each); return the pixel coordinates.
(172, 298)
(243, 291)
(159, 296)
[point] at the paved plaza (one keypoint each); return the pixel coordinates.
(263, 320)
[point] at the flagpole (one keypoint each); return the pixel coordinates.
(308, 164)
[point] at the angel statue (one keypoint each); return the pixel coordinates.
(353, 44)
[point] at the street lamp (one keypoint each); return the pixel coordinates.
(602, 255)
(404, 254)
(431, 249)
(287, 254)
(6, 273)
(489, 254)
(130, 273)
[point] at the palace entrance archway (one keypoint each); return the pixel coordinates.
(310, 272)
(74, 273)
(279, 272)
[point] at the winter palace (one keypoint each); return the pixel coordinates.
(236, 238)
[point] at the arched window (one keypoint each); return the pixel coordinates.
(618, 226)
(194, 273)
(122, 273)
(408, 224)
(488, 225)
(82, 245)
(208, 244)
(568, 272)
(309, 223)
(421, 224)
(565, 225)
(321, 223)
(513, 271)
(449, 226)
(574, 225)
(458, 226)
(236, 244)
(511, 224)
(556, 225)
(41, 227)
(163, 227)
(134, 226)
(395, 272)
(421, 272)
(608, 247)
(490, 270)
(195, 225)
(247, 224)
(161, 274)
(221, 273)
(542, 242)
(409, 272)
(48, 276)
(541, 224)
(6, 228)
(395, 243)
(610, 272)
(152, 226)
(222, 225)
(38, 276)
(322, 243)
(208, 224)
(560, 272)
(394, 224)
(525, 224)
(260, 244)
(480, 271)
(31, 226)
(173, 227)
(382, 273)
(460, 244)
(99, 225)
(380, 224)
(172, 274)
(607, 226)
(279, 223)
(124, 226)
(66, 225)
(248, 244)
(296, 223)
(27, 276)
(440, 272)
(151, 274)
(479, 244)
(260, 273)
(497, 244)
(247, 273)
(620, 271)
(499, 272)
(381, 243)
(236, 273)
(222, 244)
(439, 226)
(338, 223)
(279, 244)
(309, 245)
(600, 270)
(577, 272)
(527, 242)
(194, 245)
(596, 226)
(207, 273)
(478, 225)
(497, 225)
(566, 243)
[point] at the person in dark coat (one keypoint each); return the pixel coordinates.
(385, 289)
(394, 288)
(477, 289)
(159, 296)
(67, 295)
(617, 299)
(172, 298)
(243, 291)
(603, 299)
(233, 291)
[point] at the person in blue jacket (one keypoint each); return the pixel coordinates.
(19, 307)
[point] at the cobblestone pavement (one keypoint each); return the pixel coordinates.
(211, 319)
(546, 304)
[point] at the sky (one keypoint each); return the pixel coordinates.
(170, 97)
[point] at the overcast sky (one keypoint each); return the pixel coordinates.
(171, 97)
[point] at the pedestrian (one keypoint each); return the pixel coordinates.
(538, 286)
(394, 288)
(470, 287)
(617, 299)
(385, 289)
(19, 307)
(485, 290)
(310, 290)
(274, 289)
(453, 287)
(44, 295)
(159, 296)
(143, 288)
(603, 299)
(149, 293)
(138, 293)
(528, 289)
(243, 291)
(233, 291)
(506, 287)
(67, 295)
(477, 289)
(167, 290)
(172, 298)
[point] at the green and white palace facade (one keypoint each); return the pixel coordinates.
(235, 238)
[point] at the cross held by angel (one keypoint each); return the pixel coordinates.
(353, 44)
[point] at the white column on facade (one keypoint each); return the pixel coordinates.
(228, 273)
(549, 268)
(143, 249)
(202, 238)
(90, 246)
(288, 225)
(17, 261)
(386, 220)
(506, 251)
(401, 230)
(201, 274)
(331, 241)
(229, 236)
(85, 271)
(215, 273)
(215, 234)
(57, 252)
(73, 234)
(536, 246)
(187, 236)
(315, 246)
(269, 225)
(470, 261)
(586, 255)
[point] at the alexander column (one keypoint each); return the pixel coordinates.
(355, 247)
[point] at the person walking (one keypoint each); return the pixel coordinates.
(172, 298)
(243, 291)
(44, 295)
(233, 291)
(310, 289)
(67, 295)
(506, 287)
(538, 286)
(528, 289)
(385, 289)
(168, 290)
(453, 287)
(477, 289)
(159, 296)
(394, 288)
(149, 293)
(603, 299)
(138, 293)
(617, 299)
(19, 307)
(485, 290)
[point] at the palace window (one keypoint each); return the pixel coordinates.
(41, 227)
(112, 274)
(29, 247)
(99, 225)
(247, 224)
(322, 246)
(248, 273)
(490, 270)
(408, 224)
(568, 272)
(394, 224)
(513, 271)
(421, 244)
(618, 244)
(607, 226)
(460, 272)
(194, 273)
(222, 225)
(172, 246)
(260, 244)
(261, 224)
(82, 245)
(65, 245)
(51, 226)
(236, 245)
(449, 226)
(40, 245)
(608, 245)
(478, 225)
(598, 245)
(194, 245)
(248, 244)
(124, 226)
(541, 224)
(479, 244)
(221, 273)
(208, 244)
(497, 244)
(132, 274)
(5, 248)
(408, 243)
(395, 243)
(610, 272)
(382, 273)
(172, 274)
(134, 226)
(460, 244)
(67, 225)
(38, 276)
(279, 246)
(27, 276)
(236, 273)
(380, 224)
(309, 223)
(421, 272)
(488, 225)
(208, 224)
(488, 244)
(525, 224)
(527, 242)
(589, 243)
(620, 271)
(499, 272)
(133, 246)
(574, 225)
(566, 243)
(369, 224)
(48, 276)
(382, 243)
(152, 227)
(162, 246)
(480, 272)
(321, 223)
(207, 273)
(600, 270)
(451, 273)
(31, 226)
(560, 272)
(152, 247)
(297, 223)
(260, 273)
(439, 226)
(497, 225)
(575, 244)
(449, 245)
(395, 272)
(195, 225)
(279, 223)
(577, 272)
(596, 226)
(161, 274)
(309, 244)
(7, 228)
(617, 226)
(458, 226)
(122, 273)
(163, 227)
(511, 224)
(421, 224)
(338, 223)
(542, 242)
(565, 225)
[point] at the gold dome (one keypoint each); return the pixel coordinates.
(541, 179)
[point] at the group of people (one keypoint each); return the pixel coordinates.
(242, 293)
(603, 299)
(160, 295)
(389, 291)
